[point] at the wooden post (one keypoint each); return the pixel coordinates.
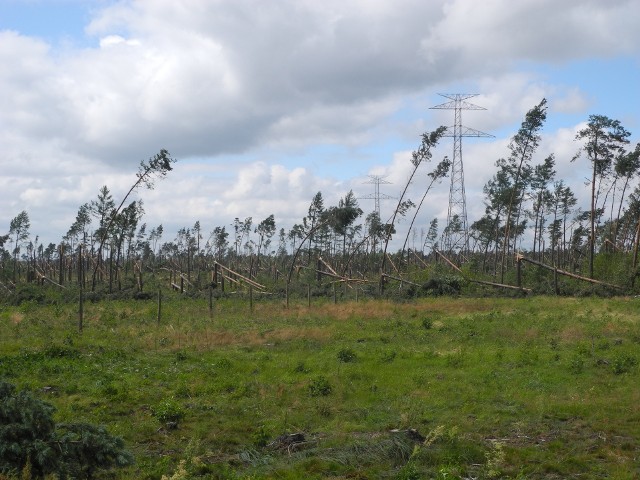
(251, 298)
(286, 293)
(79, 266)
(111, 269)
(335, 296)
(60, 264)
(81, 296)
(636, 242)
(211, 300)
(309, 295)
(159, 305)
(188, 263)
(518, 270)
(181, 284)
(356, 293)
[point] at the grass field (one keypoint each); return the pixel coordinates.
(444, 388)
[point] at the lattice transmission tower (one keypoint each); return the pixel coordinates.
(377, 196)
(456, 233)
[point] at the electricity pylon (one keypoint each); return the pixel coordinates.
(456, 233)
(376, 196)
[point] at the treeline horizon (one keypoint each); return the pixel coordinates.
(528, 210)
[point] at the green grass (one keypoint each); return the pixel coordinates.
(539, 387)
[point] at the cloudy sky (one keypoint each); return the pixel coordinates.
(265, 103)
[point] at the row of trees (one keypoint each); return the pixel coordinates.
(527, 209)
(528, 202)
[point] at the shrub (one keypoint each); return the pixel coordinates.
(301, 368)
(346, 355)
(576, 366)
(623, 363)
(409, 471)
(59, 351)
(320, 387)
(444, 285)
(27, 431)
(389, 357)
(31, 441)
(261, 437)
(87, 448)
(168, 411)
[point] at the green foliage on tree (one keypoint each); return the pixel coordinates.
(309, 223)
(523, 145)
(31, 440)
(19, 233)
(340, 218)
(265, 230)
(218, 241)
(419, 156)
(541, 177)
(26, 432)
(603, 138)
(440, 172)
(149, 171)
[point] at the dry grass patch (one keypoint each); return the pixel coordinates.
(572, 333)
(287, 334)
(365, 310)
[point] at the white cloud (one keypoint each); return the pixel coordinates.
(232, 88)
(113, 40)
(571, 101)
(498, 31)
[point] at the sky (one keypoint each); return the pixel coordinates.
(263, 104)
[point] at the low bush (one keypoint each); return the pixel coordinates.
(30, 440)
(320, 387)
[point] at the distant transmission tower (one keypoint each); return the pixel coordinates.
(456, 233)
(376, 196)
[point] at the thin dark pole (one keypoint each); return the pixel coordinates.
(81, 296)
(210, 300)
(159, 306)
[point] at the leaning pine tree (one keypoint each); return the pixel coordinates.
(418, 157)
(522, 147)
(156, 168)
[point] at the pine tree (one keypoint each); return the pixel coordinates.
(31, 440)
(603, 138)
